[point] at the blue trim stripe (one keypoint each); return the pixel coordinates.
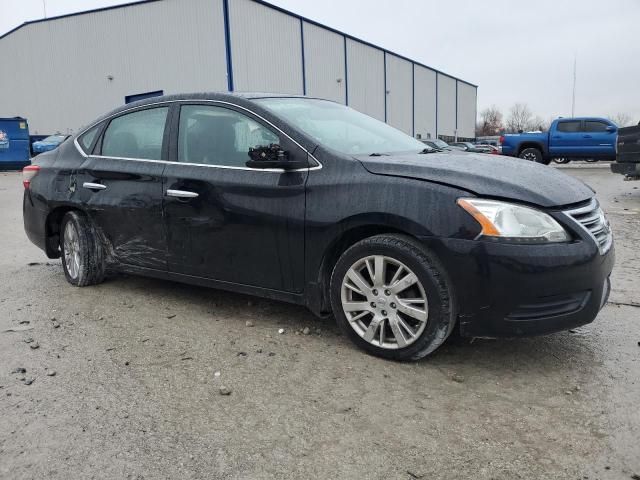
(227, 38)
(304, 73)
(384, 57)
(413, 99)
(346, 73)
(456, 132)
(436, 105)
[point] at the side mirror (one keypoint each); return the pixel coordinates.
(272, 156)
(611, 128)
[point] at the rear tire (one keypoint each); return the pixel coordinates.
(561, 160)
(383, 327)
(533, 155)
(82, 251)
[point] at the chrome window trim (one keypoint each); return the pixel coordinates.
(197, 101)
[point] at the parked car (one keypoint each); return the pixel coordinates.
(266, 195)
(465, 146)
(49, 143)
(14, 143)
(567, 138)
(437, 144)
(486, 148)
(628, 153)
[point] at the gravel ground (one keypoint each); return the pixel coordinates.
(126, 382)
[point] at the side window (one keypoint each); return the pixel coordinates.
(136, 135)
(87, 138)
(595, 126)
(219, 136)
(569, 127)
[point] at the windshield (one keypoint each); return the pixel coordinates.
(341, 128)
(54, 138)
(440, 143)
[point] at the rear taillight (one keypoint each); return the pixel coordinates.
(501, 139)
(28, 173)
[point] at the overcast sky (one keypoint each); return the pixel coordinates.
(514, 50)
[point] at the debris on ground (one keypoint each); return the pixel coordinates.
(28, 340)
(457, 378)
(173, 315)
(414, 475)
(248, 323)
(281, 331)
(216, 374)
(19, 370)
(242, 354)
(28, 381)
(306, 331)
(225, 390)
(34, 345)
(23, 328)
(51, 373)
(24, 322)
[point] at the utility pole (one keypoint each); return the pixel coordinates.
(44, 7)
(573, 97)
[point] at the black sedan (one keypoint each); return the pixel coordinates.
(308, 201)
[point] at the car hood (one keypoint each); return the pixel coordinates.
(486, 175)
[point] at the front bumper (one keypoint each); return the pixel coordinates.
(629, 169)
(507, 290)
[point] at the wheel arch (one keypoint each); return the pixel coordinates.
(348, 233)
(536, 145)
(52, 228)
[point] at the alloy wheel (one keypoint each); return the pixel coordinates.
(384, 302)
(71, 250)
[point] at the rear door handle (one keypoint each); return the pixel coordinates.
(94, 186)
(181, 194)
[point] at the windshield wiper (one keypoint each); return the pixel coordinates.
(376, 154)
(429, 150)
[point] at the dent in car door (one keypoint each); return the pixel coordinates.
(226, 221)
(121, 187)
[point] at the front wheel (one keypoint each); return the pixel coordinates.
(392, 298)
(82, 251)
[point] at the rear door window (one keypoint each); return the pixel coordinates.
(136, 135)
(595, 126)
(569, 127)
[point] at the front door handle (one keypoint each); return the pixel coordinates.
(94, 186)
(181, 194)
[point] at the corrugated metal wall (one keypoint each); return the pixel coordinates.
(399, 93)
(365, 78)
(266, 48)
(446, 105)
(466, 110)
(425, 102)
(324, 63)
(60, 68)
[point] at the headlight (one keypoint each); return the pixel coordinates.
(515, 222)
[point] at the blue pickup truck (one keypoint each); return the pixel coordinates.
(568, 138)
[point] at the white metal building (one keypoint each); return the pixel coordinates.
(62, 72)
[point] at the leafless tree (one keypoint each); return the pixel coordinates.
(490, 122)
(520, 118)
(621, 119)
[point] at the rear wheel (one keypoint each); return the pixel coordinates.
(561, 160)
(82, 251)
(391, 298)
(533, 155)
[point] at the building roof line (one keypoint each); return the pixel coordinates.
(261, 2)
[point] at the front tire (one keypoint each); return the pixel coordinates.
(82, 251)
(392, 298)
